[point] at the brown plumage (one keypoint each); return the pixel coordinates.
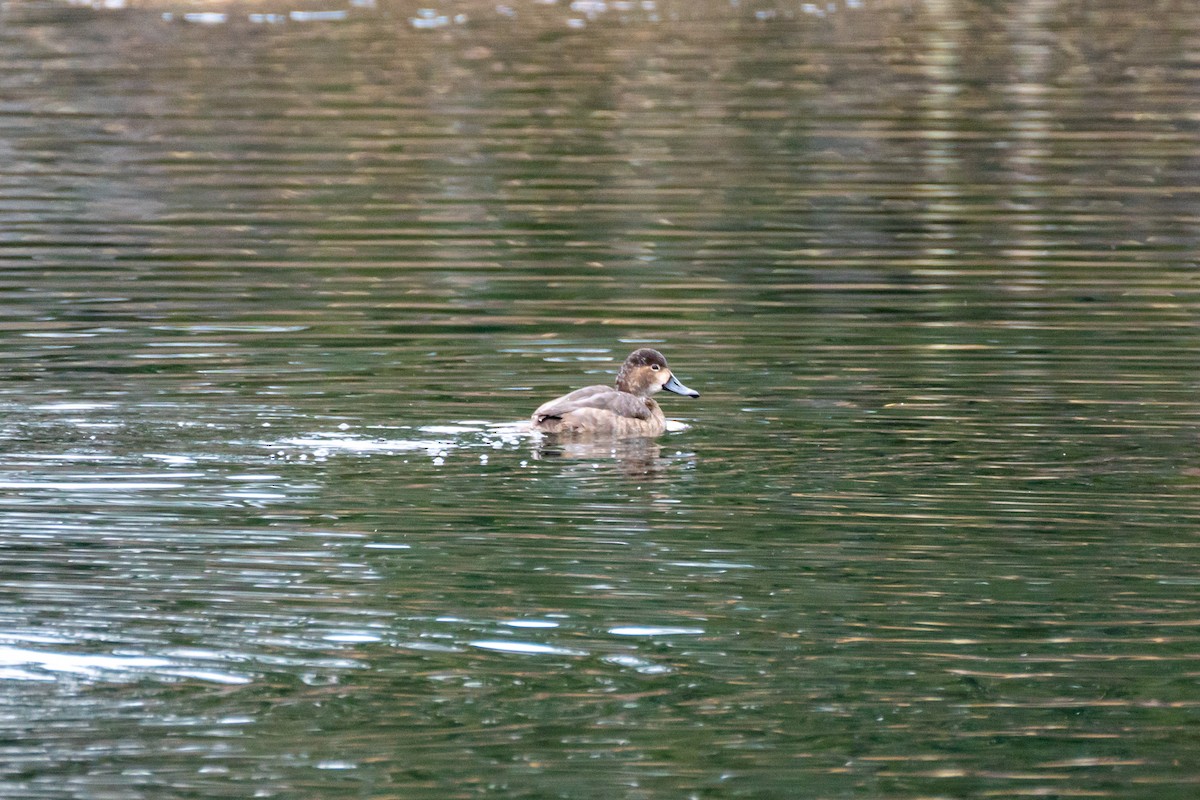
(626, 410)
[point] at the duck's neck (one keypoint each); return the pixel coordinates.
(626, 385)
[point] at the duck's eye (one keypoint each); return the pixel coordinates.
(654, 367)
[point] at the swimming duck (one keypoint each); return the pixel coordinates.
(626, 410)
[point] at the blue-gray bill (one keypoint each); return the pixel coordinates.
(675, 386)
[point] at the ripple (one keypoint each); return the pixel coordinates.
(122, 485)
(526, 648)
(640, 665)
(467, 434)
(654, 630)
(18, 663)
(72, 406)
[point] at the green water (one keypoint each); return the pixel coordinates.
(279, 290)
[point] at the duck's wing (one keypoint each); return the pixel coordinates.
(604, 398)
(561, 405)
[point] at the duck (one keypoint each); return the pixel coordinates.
(625, 410)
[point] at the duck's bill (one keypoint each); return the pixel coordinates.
(675, 386)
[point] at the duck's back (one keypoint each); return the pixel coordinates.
(600, 410)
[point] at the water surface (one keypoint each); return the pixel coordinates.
(281, 282)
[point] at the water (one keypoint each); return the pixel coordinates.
(280, 284)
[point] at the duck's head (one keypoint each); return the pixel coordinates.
(646, 372)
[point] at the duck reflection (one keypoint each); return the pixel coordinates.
(638, 457)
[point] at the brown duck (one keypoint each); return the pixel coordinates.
(626, 410)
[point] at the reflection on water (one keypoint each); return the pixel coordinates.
(635, 457)
(282, 282)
